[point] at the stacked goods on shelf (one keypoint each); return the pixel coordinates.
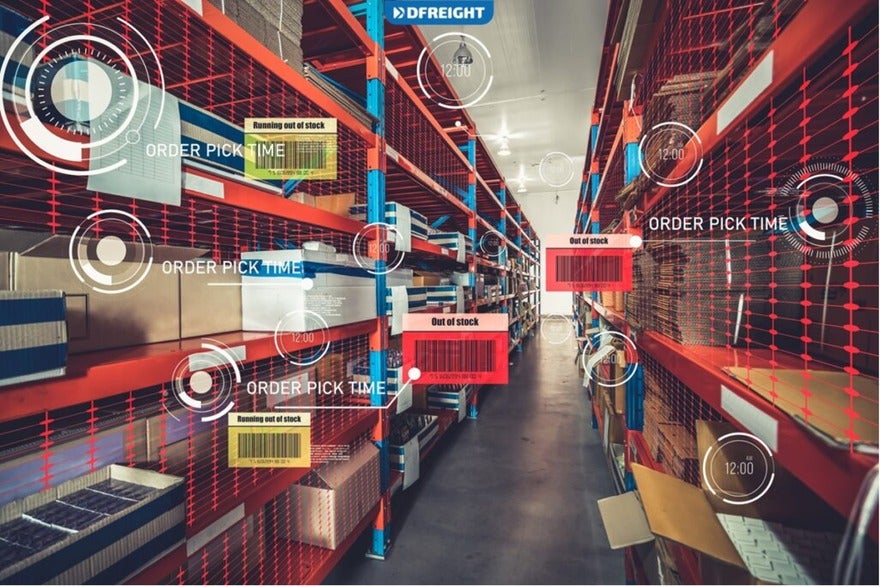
(342, 292)
(329, 502)
(461, 244)
(752, 37)
(33, 336)
(276, 24)
(639, 299)
(411, 435)
(678, 100)
(97, 528)
(670, 410)
(342, 98)
(704, 289)
(448, 396)
(418, 298)
(358, 369)
(409, 223)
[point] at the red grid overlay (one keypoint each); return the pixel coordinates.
(801, 311)
(144, 426)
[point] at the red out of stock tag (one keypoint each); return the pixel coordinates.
(590, 262)
(456, 348)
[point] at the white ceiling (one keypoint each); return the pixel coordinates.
(545, 57)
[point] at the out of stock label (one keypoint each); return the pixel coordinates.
(260, 439)
(590, 262)
(456, 348)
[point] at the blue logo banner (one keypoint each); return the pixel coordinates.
(446, 12)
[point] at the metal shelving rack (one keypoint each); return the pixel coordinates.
(351, 43)
(817, 102)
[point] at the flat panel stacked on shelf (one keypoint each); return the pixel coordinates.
(729, 315)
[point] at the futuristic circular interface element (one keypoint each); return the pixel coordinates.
(77, 100)
(99, 245)
(204, 382)
(829, 210)
(663, 147)
(492, 244)
(556, 169)
(302, 338)
(463, 60)
(384, 236)
(738, 468)
(601, 351)
(81, 92)
(557, 328)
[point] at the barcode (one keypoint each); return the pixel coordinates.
(456, 356)
(293, 155)
(598, 269)
(269, 445)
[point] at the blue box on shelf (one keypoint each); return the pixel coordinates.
(33, 335)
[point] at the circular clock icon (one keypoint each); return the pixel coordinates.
(738, 468)
(81, 92)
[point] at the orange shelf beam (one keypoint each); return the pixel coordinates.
(100, 374)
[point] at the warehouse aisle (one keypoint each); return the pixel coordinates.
(510, 498)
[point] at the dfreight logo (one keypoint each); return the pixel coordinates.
(439, 11)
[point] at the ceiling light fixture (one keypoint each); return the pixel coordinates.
(504, 151)
(522, 188)
(462, 55)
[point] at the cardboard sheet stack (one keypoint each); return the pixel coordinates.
(277, 24)
(354, 108)
(701, 288)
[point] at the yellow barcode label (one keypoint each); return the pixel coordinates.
(290, 148)
(269, 440)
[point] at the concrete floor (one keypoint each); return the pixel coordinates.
(510, 497)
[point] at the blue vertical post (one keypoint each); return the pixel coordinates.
(502, 221)
(374, 11)
(471, 201)
(472, 198)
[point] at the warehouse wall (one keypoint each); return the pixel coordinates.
(549, 217)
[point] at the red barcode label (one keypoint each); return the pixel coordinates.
(455, 355)
(569, 268)
(583, 269)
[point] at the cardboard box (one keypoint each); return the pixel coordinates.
(612, 425)
(617, 393)
(332, 499)
(107, 550)
(426, 279)
(302, 198)
(670, 509)
(145, 314)
(33, 335)
(338, 204)
(210, 309)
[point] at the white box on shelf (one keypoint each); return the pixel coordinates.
(273, 293)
